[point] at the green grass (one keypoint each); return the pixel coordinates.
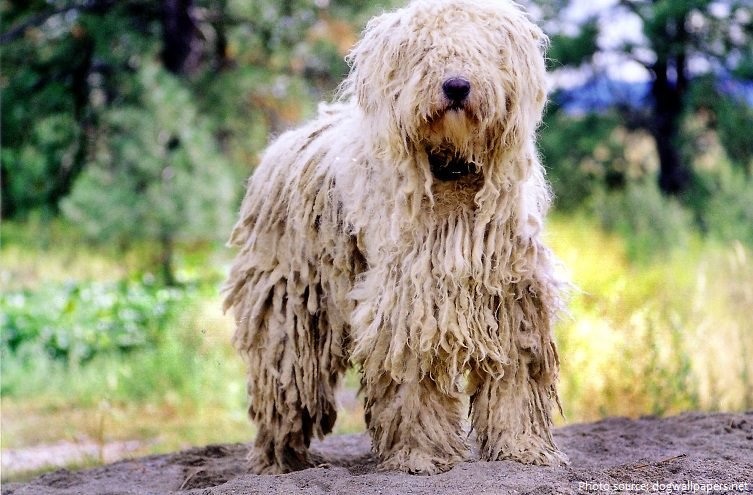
(656, 334)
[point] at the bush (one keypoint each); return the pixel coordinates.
(156, 174)
(649, 222)
(75, 321)
(729, 215)
(568, 147)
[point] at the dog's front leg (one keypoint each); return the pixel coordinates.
(415, 427)
(512, 420)
(512, 401)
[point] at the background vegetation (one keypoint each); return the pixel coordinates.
(129, 128)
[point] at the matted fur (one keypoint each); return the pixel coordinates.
(352, 251)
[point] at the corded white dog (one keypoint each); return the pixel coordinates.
(401, 231)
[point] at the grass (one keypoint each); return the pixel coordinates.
(663, 335)
(648, 338)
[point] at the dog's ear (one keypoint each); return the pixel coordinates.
(523, 46)
(373, 61)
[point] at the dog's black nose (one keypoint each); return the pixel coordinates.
(456, 89)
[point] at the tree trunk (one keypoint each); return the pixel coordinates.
(166, 259)
(65, 176)
(668, 90)
(180, 51)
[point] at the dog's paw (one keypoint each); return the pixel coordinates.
(526, 450)
(260, 462)
(546, 457)
(418, 462)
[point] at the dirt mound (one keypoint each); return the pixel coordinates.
(690, 453)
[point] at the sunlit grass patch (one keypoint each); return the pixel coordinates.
(110, 431)
(654, 337)
(37, 253)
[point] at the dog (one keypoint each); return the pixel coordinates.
(401, 231)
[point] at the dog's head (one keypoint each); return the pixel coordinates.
(459, 82)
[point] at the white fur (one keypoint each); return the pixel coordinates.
(351, 250)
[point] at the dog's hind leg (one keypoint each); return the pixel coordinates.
(294, 360)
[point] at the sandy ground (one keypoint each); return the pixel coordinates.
(66, 453)
(694, 451)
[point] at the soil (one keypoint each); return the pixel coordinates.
(694, 451)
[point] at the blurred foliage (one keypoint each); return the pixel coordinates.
(732, 116)
(140, 120)
(74, 322)
(569, 147)
(686, 49)
(159, 174)
(642, 337)
(647, 337)
(57, 74)
(650, 223)
(573, 50)
(729, 213)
